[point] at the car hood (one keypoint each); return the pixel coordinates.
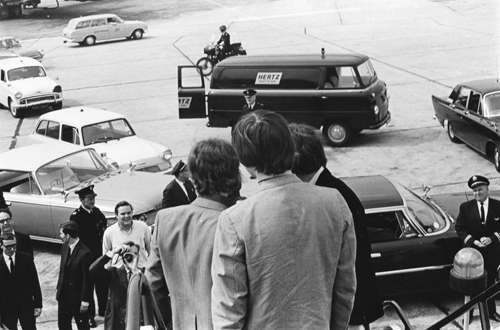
(7, 54)
(451, 202)
(36, 85)
(126, 150)
(143, 190)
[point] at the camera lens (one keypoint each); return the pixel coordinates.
(128, 257)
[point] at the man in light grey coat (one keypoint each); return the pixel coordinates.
(284, 257)
(181, 253)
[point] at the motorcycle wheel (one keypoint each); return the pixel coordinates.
(206, 66)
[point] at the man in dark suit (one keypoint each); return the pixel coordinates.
(251, 102)
(179, 191)
(74, 286)
(6, 226)
(310, 166)
(478, 226)
(20, 293)
(118, 283)
(92, 224)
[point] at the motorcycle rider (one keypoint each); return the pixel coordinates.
(224, 43)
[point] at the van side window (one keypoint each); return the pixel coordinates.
(83, 25)
(98, 22)
(111, 20)
(270, 78)
(332, 78)
(347, 77)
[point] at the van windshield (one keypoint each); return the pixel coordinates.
(367, 73)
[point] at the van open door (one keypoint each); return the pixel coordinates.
(191, 92)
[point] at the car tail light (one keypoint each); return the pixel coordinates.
(57, 89)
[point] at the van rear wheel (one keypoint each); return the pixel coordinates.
(206, 65)
(338, 133)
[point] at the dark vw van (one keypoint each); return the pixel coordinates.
(339, 92)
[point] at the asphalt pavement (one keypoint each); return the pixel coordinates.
(419, 48)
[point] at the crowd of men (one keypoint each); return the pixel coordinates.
(295, 255)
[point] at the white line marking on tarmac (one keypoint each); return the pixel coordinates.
(290, 15)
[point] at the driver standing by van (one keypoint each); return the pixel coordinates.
(251, 102)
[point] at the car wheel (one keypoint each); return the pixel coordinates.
(15, 112)
(338, 133)
(4, 13)
(137, 34)
(17, 11)
(89, 41)
(206, 65)
(57, 106)
(451, 133)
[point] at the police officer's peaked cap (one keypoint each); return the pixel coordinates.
(250, 92)
(477, 180)
(83, 192)
(178, 168)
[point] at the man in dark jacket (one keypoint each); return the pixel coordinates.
(251, 102)
(74, 286)
(20, 293)
(478, 226)
(6, 227)
(180, 191)
(92, 223)
(310, 166)
(224, 43)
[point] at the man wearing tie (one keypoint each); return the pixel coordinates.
(251, 102)
(179, 191)
(478, 226)
(20, 293)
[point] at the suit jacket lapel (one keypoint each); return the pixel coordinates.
(180, 192)
(74, 253)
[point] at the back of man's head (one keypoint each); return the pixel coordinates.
(70, 228)
(263, 140)
(309, 152)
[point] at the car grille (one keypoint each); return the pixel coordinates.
(37, 99)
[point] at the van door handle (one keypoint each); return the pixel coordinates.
(324, 97)
(376, 255)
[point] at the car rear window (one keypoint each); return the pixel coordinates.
(83, 25)
(270, 78)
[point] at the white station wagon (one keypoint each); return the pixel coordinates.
(109, 133)
(87, 30)
(24, 84)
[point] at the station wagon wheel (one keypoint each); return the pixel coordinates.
(337, 133)
(4, 12)
(17, 11)
(137, 34)
(89, 41)
(451, 133)
(496, 158)
(206, 65)
(15, 112)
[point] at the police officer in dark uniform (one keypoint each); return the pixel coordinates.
(251, 102)
(92, 224)
(224, 43)
(478, 226)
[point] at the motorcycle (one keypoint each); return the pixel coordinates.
(215, 55)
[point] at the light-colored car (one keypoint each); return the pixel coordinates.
(39, 183)
(10, 46)
(24, 84)
(87, 30)
(109, 133)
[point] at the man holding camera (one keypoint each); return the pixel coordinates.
(118, 278)
(124, 230)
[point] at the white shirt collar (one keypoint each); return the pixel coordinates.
(72, 246)
(316, 176)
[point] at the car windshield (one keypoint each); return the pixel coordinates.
(8, 43)
(426, 214)
(106, 131)
(69, 171)
(492, 104)
(367, 73)
(26, 72)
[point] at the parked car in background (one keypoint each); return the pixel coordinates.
(88, 30)
(10, 46)
(471, 114)
(24, 84)
(109, 133)
(413, 238)
(39, 182)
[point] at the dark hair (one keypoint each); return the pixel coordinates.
(70, 228)
(309, 152)
(214, 167)
(263, 140)
(122, 203)
(7, 237)
(6, 210)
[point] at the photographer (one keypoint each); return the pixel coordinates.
(118, 281)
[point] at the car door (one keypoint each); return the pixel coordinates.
(462, 121)
(479, 124)
(115, 28)
(99, 28)
(191, 92)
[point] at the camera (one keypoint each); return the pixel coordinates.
(128, 257)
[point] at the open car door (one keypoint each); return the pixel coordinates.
(191, 92)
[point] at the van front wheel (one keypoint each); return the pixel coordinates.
(338, 133)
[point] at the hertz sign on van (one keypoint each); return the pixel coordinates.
(339, 93)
